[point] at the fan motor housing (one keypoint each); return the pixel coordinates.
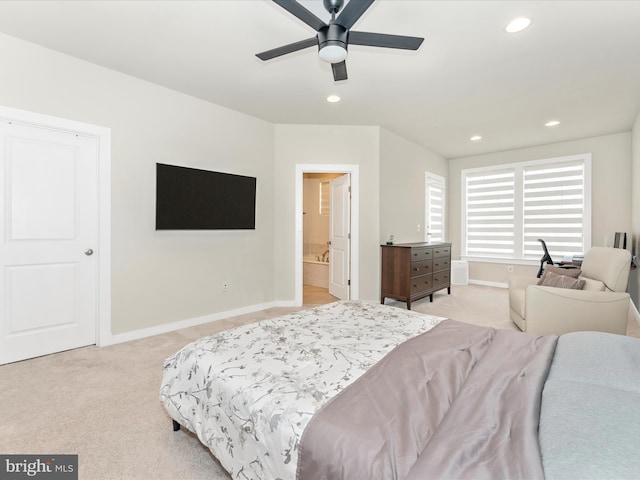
(332, 34)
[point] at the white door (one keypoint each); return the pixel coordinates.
(434, 208)
(48, 228)
(339, 235)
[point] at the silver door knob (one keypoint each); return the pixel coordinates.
(88, 252)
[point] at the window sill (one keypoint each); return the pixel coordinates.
(507, 261)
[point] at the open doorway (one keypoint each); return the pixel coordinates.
(326, 233)
(316, 242)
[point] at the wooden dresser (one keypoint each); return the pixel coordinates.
(414, 270)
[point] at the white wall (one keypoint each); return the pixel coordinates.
(158, 277)
(391, 191)
(331, 145)
(611, 191)
(402, 187)
(634, 282)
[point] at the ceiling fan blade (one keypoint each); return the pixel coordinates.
(339, 71)
(298, 11)
(384, 40)
(290, 48)
(352, 12)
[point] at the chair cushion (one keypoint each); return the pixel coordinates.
(593, 285)
(551, 279)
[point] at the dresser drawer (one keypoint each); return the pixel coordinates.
(442, 263)
(441, 252)
(441, 278)
(421, 253)
(420, 267)
(420, 284)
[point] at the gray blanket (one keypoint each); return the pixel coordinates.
(589, 417)
(460, 401)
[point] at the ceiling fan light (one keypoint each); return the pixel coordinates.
(333, 53)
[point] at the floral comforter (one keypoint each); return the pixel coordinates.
(249, 392)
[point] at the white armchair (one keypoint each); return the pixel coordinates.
(602, 305)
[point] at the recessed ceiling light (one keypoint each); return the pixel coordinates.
(475, 138)
(333, 98)
(518, 24)
(552, 123)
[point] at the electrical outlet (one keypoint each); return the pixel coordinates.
(226, 286)
(418, 229)
(510, 269)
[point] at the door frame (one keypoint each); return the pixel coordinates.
(354, 171)
(103, 247)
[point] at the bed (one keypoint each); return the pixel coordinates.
(355, 390)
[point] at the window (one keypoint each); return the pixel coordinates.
(507, 208)
(490, 212)
(434, 208)
(324, 201)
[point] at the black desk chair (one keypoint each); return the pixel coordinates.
(545, 258)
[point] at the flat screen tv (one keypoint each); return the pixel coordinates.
(193, 199)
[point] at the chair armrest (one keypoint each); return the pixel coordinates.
(551, 310)
(521, 281)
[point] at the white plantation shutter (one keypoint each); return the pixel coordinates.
(490, 214)
(506, 209)
(325, 198)
(435, 193)
(554, 209)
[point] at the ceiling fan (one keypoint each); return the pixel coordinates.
(333, 38)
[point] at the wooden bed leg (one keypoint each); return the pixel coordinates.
(176, 425)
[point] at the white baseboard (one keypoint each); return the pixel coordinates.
(192, 322)
(489, 284)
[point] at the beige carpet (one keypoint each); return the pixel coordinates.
(102, 403)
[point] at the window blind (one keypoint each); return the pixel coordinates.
(490, 219)
(554, 208)
(506, 209)
(325, 197)
(435, 210)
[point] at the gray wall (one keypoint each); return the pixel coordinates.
(611, 191)
(163, 277)
(402, 187)
(323, 144)
(157, 277)
(634, 282)
(392, 172)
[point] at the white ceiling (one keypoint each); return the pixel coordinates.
(578, 62)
